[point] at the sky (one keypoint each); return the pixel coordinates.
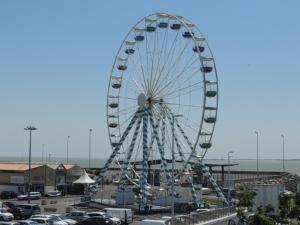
(56, 57)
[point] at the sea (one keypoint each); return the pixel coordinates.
(291, 165)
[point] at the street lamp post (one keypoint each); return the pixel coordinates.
(173, 174)
(257, 171)
(68, 138)
(283, 154)
(90, 146)
(30, 128)
(228, 155)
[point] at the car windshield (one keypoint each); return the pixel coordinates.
(33, 223)
(2, 210)
(54, 219)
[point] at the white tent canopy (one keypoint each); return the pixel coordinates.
(84, 179)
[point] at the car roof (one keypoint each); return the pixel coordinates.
(40, 218)
(30, 204)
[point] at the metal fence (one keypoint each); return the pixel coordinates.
(200, 217)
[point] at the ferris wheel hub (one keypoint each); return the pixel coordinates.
(142, 99)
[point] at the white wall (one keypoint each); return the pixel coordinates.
(268, 194)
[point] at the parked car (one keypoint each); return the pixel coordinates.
(9, 223)
(97, 220)
(53, 194)
(32, 195)
(77, 215)
(5, 216)
(114, 220)
(43, 221)
(68, 221)
(19, 213)
(120, 213)
(8, 205)
(27, 222)
(55, 220)
(8, 194)
(30, 209)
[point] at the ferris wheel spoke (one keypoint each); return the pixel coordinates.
(171, 103)
(176, 61)
(138, 74)
(172, 65)
(159, 53)
(147, 60)
(182, 93)
(152, 58)
(142, 69)
(156, 82)
(124, 110)
(162, 49)
(125, 121)
(129, 98)
(134, 84)
(176, 77)
(184, 88)
(185, 71)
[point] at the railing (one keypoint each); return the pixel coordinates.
(200, 217)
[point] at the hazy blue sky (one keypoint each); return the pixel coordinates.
(56, 56)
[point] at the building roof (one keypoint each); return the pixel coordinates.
(18, 166)
(66, 166)
(24, 166)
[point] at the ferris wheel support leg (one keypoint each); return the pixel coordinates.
(145, 160)
(131, 147)
(196, 199)
(214, 184)
(117, 148)
(163, 138)
(155, 132)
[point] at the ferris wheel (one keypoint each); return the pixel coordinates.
(162, 98)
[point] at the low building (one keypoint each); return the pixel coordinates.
(44, 177)
(268, 194)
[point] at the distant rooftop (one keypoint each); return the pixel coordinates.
(24, 166)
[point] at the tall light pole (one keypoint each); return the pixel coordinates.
(173, 165)
(228, 155)
(30, 128)
(257, 171)
(90, 146)
(283, 156)
(43, 147)
(68, 149)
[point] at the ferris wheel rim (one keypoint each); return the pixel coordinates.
(181, 20)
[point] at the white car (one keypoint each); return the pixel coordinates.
(6, 216)
(54, 219)
(32, 195)
(68, 221)
(43, 221)
(26, 222)
(115, 220)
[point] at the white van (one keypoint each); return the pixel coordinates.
(120, 213)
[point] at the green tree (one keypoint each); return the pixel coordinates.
(245, 196)
(260, 219)
(286, 204)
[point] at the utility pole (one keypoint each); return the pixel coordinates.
(30, 128)
(90, 146)
(257, 170)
